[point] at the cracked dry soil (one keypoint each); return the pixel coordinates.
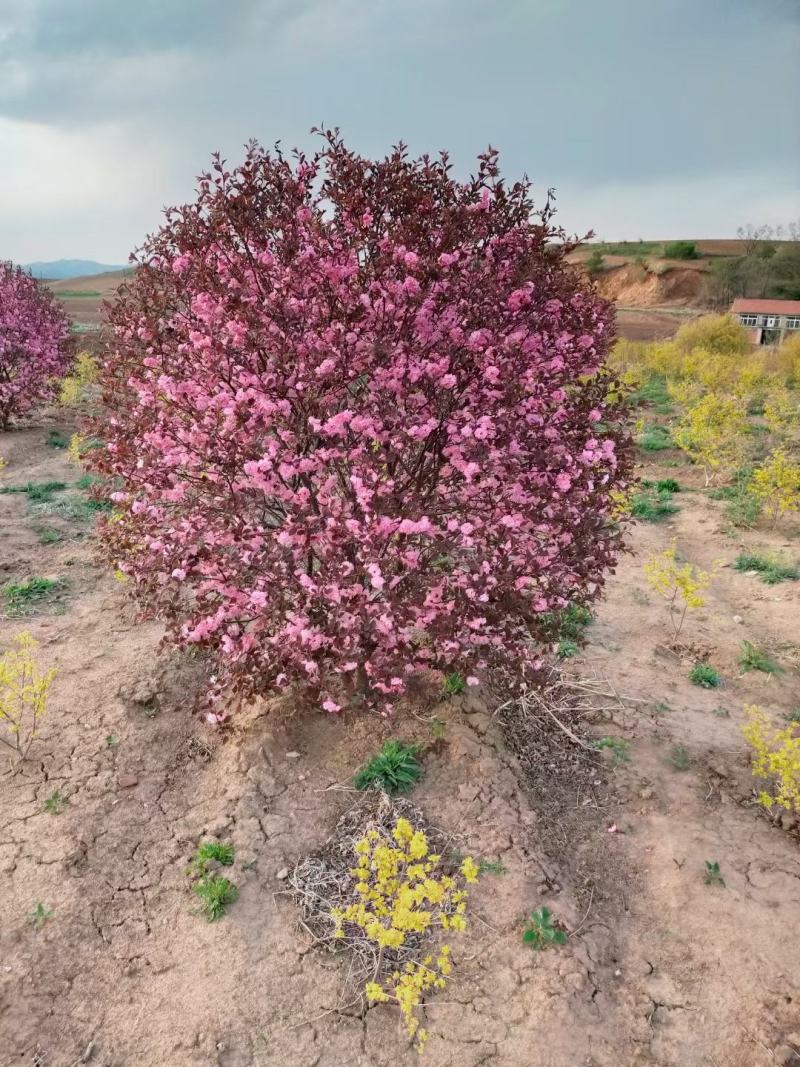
(660, 968)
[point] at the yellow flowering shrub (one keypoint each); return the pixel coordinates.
(24, 688)
(712, 431)
(77, 384)
(776, 757)
(716, 333)
(781, 410)
(788, 359)
(401, 892)
(776, 484)
(681, 584)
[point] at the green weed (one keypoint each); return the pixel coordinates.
(207, 851)
(39, 916)
(653, 392)
(48, 536)
(491, 867)
(753, 659)
(541, 931)
(395, 769)
(216, 894)
(679, 758)
(453, 685)
(704, 675)
(616, 745)
(771, 569)
(22, 597)
(654, 438)
(37, 492)
(55, 803)
(712, 875)
(112, 740)
(652, 505)
(56, 439)
(567, 648)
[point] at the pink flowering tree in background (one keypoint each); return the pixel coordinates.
(358, 420)
(35, 351)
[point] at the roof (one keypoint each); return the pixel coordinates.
(766, 307)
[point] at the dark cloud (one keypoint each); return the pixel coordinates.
(582, 94)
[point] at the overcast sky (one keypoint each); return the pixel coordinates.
(652, 118)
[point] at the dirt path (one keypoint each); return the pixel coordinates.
(660, 969)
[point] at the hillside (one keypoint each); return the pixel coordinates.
(59, 269)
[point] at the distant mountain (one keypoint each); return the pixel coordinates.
(69, 268)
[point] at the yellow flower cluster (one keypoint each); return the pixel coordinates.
(776, 484)
(776, 755)
(23, 695)
(400, 892)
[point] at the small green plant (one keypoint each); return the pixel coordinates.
(491, 867)
(679, 758)
(541, 931)
(616, 745)
(38, 492)
(662, 708)
(22, 597)
(753, 659)
(55, 803)
(713, 876)
(49, 536)
(742, 509)
(39, 916)
(56, 439)
(567, 648)
(794, 716)
(652, 505)
(214, 891)
(771, 569)
(654, 438)
(438, 729)
(453, 685)
(216, 894)
(395, 769)
(112, 740)
(704, 675)
(653, 391)
(721, 713)
(86, 481)
(207, 851)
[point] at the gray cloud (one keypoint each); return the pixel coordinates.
(609, 100)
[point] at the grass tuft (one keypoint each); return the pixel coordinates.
(395, 769)
(771, 569)
(753, 659)
(22, 597)
(652, 505)
(704, 675)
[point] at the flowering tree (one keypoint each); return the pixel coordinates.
(34, 343)
(359, 415)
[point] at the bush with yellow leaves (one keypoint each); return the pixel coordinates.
(715, 333)
(776, 758)
(682, 584)
(775, 484)
(77, 386)
(781, 410)
(24, 689)
(713, 432)
(402, 890)
(787, 359)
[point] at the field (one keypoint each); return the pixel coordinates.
(609, 799)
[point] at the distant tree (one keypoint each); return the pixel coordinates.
(681, 250)
(595, 262)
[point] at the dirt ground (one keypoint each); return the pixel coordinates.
(659, 968)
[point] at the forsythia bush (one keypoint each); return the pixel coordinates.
(776, 484)
(34, 343)
(713, 432)
(24, 688)
(776, 756)
(681, 584)
(359, 416)
(714, 333)
(77, 385)
(399, 893)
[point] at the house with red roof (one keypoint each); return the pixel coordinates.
(767, 321)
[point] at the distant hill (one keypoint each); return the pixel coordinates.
(69, 268)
